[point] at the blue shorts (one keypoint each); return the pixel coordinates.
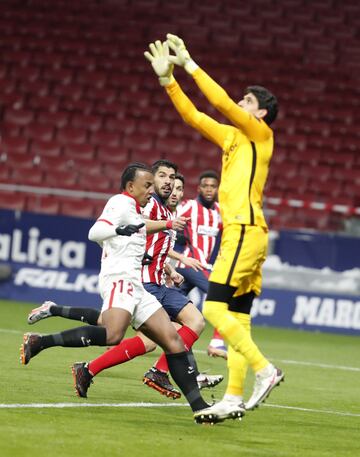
(172, 300)
(194, 279)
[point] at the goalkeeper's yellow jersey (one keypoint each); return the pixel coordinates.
(247, 149)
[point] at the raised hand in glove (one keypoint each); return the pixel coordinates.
(182, 56)
(159, 59)
(128, 230)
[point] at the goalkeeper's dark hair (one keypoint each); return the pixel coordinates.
(163, 163)
(180, 177)
(266, 100)
(130, 171)
(209, 174)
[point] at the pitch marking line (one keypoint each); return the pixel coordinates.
(299, 362)
(153, 405)
(285, 362)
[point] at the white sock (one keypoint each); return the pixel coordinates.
(233, 398)
(266, 371)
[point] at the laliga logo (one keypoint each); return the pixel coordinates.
(46, 252)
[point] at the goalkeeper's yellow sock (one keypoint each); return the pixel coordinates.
(234, 332)
(237, 369)
(237, 364)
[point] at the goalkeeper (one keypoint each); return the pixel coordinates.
(247, 147)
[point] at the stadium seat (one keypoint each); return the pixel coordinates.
(11, 200)
(47, 204)
(175, 145)
(77, 207)
(50, 103)
(32, 176)
(19, 117)
(60, 179)
(72, 91)
(38, 131)
(112, 154)
(90, 122)
(59, 119)
(14, 145)
(84, 151)
(71, 135)
(45, 148)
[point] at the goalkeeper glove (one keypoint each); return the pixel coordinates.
(128, 230)
(159, 59)
(182, 57)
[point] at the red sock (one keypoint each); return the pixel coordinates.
(123, 352)
(188, 336)
(216, 335)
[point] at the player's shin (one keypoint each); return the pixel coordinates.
(183, 374)
(126, 350)
(87, 335)
(88, 315)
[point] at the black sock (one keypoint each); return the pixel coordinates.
(192, 361)
(183, 374)
(88, 315)
(88, 335)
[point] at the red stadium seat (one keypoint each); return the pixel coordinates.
(90, 122)
(104, 138)
(14, 145)
(71, 135)
(95, 183)
(77, 207)
(11, 200)
(45, 148)
(16, 160)
(79, 151)
(37, 203)
(137, 142)
(174, 145)
(18, 116)
(72, 91)
(112, 155)
(32, 176)
(60, 179)
(50, 103)
(39, 131)
(55, 163)
(58, 119)
(113, 124)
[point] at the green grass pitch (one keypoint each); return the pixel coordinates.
(316, 412)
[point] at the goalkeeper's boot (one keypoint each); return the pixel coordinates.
(82, 378)
(265, 381)
(159, 381)
(207, 380)
(219, 412)
(42, 312)
(30, 347)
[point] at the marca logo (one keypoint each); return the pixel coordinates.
(328, 312)
(45, 252)
(264, 307)
(59, 280)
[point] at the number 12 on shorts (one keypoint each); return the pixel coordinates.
(122, 288)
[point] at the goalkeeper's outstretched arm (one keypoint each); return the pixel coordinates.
(254, 128)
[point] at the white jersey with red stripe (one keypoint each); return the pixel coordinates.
(201, 229)
(157, 244)
(122, 254)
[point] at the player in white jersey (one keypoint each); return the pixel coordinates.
(121, 232)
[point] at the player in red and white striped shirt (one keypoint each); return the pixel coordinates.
(202, 229)
(159, 245)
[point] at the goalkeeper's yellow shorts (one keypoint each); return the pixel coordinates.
(242, 252)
